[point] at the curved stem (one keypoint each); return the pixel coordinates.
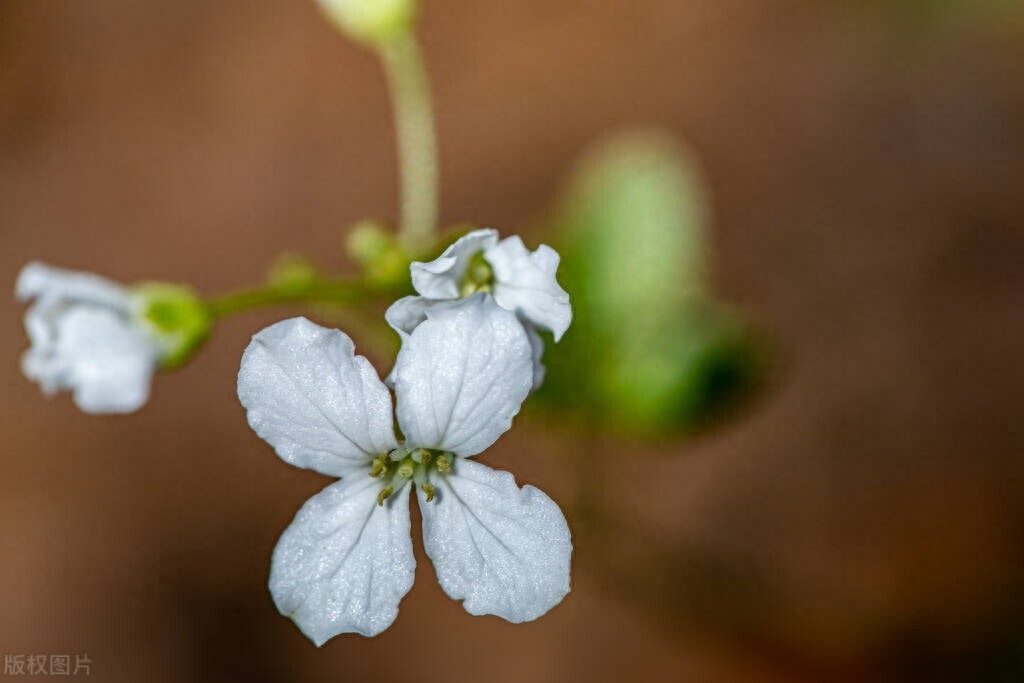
(339, 292)
(417, 142)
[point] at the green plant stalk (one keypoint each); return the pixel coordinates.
(334, 292)
(417, 141)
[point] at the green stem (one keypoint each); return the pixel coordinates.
(417, 142)
(336, 292)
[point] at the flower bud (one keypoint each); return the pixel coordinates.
(379, 254)
(292, 274)
(371, 21)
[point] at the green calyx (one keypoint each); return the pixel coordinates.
(374, 22)
(177, 317)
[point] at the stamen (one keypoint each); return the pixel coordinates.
(428, 489)
(379, 466)
(478, 277)
(384, 494)
(444, 464)
(481, 273)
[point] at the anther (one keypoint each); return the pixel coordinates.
(444, 465)
(478, 276)
(384, 494)
(379, 466)
(481, 273)
(428, 489)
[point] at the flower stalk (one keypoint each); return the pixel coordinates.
(336, 292)
(417, 141)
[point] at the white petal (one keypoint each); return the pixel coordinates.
(462, 376)
(41, 323)
(38, 280)
(345, 563)
(536, 353)
(405, 314)
(84, 339)
(525, 283)
(501, 549)
(439, 279)
(105, 360)
(318, 404)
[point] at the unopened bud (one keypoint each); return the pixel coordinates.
(378, 253)
(292, 273)
(371, 21)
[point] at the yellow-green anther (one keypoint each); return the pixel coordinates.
(444, 464)
(472, 288)
(479, 277)
(379, 466)
(425, 457)
(407, 468)
(428, 489)
(384, 494)
(481, 273)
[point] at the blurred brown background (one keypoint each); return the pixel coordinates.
(862, 521)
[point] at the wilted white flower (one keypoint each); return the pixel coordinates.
(346, 560)
(521, 281)
(103, 341)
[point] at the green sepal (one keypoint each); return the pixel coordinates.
(177, 317)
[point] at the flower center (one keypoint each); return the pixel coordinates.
(479, 277)
(401, 466)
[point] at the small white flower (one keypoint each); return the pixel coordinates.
(346, 560)
(521, 281)
(103, 341)
(86, 338)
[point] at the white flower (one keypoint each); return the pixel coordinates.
(521, 281)
(103, 341)
(346, 560)
(86, 338)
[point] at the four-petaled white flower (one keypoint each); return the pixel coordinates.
(521, 281)
(346, 560)
(88, 337)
